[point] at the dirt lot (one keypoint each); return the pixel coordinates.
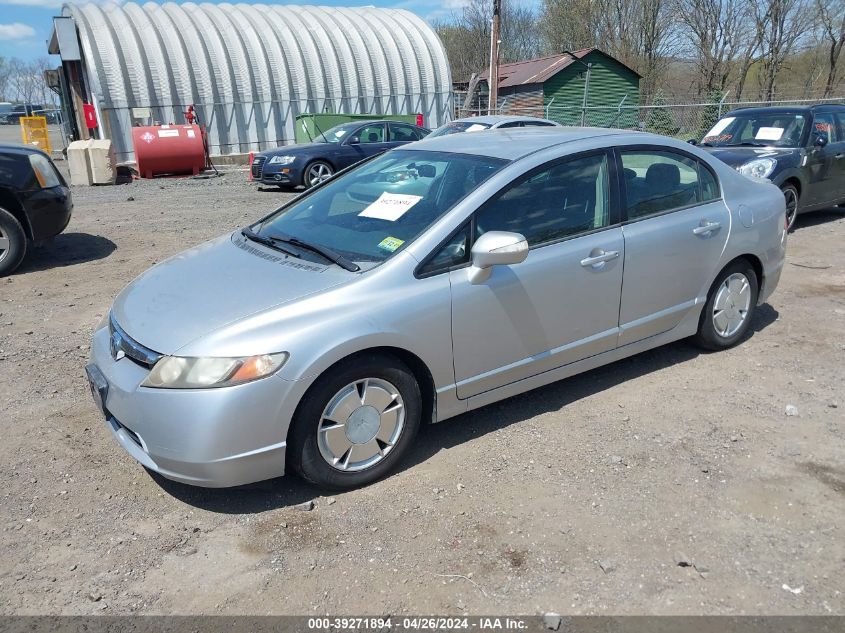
(582, 497)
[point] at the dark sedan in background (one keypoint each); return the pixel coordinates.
(337, 148)
(800, 149)
(35, 202)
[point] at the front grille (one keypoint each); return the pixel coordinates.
(121, 344)
(258, 166)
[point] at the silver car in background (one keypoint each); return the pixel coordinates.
(422, 284)
(490, 122)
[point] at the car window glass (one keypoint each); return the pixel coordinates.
(709, 186)
(402, 133)
(563, 200)
(453, 253)
(510, 124)
(823, 124)
(536, 124)
(371, 134)
(839, 117)
(379, 207)
(656, 182)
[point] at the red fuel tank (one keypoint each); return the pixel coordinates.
(168, 149)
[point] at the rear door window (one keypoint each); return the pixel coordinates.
(661, 181)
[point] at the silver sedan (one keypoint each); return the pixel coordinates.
(422, 284)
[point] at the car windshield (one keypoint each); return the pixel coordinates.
(379, 207)
(337, 133)
(760, 129)
(456, 127)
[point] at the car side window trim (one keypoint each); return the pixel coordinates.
(623, 192)
(418, 271)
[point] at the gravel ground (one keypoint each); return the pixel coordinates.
(671, 482)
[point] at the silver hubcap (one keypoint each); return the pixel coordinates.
(318, 173)
(730, 309)
(361, 424)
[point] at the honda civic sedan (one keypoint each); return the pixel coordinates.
(422, 284)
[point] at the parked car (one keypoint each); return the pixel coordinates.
(424, 283)
(22, 110)
(5, 109)
(309, 164)
(800, 149)
(35, 202)
(492, 122)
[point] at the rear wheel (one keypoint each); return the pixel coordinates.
(12, 242)
(730, 306)
(317, 172)
(790, 195)
(356, 423)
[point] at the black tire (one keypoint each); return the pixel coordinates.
(12, 243)
(790, 194)
(309, 179)
(708, 336)
(303, 452)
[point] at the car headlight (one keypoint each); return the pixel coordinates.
(175, 372)
(281, 160)
(759, 167)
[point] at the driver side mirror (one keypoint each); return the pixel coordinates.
(353, 140)
(821, 140)
(692, 141)
(496, 248)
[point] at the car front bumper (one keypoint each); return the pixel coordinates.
(286, 175)
(205, 437)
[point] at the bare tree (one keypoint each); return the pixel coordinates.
(5, 76)
(832, 18)
(784, 23)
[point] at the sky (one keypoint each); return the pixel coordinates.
(25, 25)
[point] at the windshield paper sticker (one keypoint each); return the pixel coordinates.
(390, 206)
(720, 127)
(475, 127)
(769, 134)
(390, 244)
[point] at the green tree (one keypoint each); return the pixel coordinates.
(659, 119)
(709, 113)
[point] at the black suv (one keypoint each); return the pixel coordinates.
(35, 202)
(800, 149)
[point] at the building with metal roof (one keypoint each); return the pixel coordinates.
(247, 69)
(585, 87)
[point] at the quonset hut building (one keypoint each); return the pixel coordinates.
(248, 69)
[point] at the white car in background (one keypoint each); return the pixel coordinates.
(491, 122)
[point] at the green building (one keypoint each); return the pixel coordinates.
(554, 87)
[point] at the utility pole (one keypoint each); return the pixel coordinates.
(493, 79)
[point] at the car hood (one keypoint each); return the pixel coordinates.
(295, 150)
(736, 156)
(213, 285)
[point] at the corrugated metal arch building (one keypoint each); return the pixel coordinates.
(249, 69)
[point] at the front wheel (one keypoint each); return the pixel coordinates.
(317, 172)
(730, 306)
(12, 242)
(790, 196)
(356, 423)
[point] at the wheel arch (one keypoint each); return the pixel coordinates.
(9, 201)
(795, 182)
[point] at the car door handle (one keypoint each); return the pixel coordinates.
(706, 228)
(599, 258)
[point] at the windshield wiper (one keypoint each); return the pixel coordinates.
(327, 253)
(273, 243)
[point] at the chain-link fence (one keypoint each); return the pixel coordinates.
(682, 120)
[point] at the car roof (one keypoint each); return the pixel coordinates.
(492, 119)
(13, 148)
(806, 109)
(515, 143)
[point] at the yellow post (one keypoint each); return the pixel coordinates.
(34, 132)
